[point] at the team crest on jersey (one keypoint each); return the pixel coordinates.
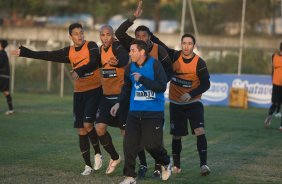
(137, 86)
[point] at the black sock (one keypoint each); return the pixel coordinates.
(176, 150)
(84, 148)
(94, 140)
(106, 141)
(9, 102)
(142, 157)
(272, 109)
(202, 149)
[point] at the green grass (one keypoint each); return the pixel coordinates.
(39, 145)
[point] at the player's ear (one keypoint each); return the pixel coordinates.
(142, 52)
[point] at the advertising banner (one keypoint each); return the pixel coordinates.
(259, 89)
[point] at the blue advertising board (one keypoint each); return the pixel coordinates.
(259, 89)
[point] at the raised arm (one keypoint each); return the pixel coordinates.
(121, 55)
(170, 51)
(60, 56)
(165, 61)
(121, 34)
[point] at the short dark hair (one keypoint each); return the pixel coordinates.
(140, 45)
(73, 26)
(143, 28)
(4, 43)
(281, 46)
(190, 36)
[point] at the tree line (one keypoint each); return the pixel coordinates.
(211, 16)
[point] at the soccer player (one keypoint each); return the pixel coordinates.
(189, 82)
(145, 83)
(114, 59)
(5, 76)
(276, 87)
(84, 58)
(157, 52)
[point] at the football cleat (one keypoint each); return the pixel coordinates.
(128, 180)
(98, 158)
(166, 172)
(142, 171)
(112, 165)
(267, 121)
(205, 170)
(87, 171)
(176, 170)
(9, 112)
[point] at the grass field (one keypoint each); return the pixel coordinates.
(39, 145)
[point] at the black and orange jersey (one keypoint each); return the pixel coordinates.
(90, 80)
(201, 68)
(185, 78)
(113, 76)
(84, 60)
(154, 51)
(277, 69)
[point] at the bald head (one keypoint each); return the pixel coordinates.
(107, 27)
(106, 35)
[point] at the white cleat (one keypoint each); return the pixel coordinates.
(267, 121)
(278, 115)
(205, 170)
(112, 165)
(87, 171)
(166, 172)
(98, 161)
(128, 180)
(176, 170)
(9, 112)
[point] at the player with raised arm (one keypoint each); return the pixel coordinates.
(84, 58)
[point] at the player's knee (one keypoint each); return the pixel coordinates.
(100, 129)
(199, 131)
(88, 126)
(82, 131)
(6, 93)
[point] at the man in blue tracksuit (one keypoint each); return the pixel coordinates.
(145, 83)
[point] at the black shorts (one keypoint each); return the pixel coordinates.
(4, 84)
(104, 115)
(179, 114)
(85, 106)
(276, 94)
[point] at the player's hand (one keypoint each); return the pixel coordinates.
(16, 52)
(74, 75)
(185, 97)
(114, 109)
(138, 10)
(136, 76)
(113, 61)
